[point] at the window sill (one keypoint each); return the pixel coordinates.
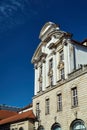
(47, 114)
(74, 106)
(59, 110)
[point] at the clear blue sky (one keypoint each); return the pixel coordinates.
(20, 25)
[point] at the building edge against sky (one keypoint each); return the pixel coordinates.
(60, 64)
(60, 90)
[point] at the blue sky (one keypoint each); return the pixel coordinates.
(20, 25)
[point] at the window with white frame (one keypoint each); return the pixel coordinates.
(50, 74)
(40, 85)
(40, 70)
(62, 74)
(74, 97)
(50, 63)
(61, 53)
(59, 102)
(51, 80)
(47, 109)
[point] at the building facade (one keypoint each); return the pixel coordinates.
(60, 90)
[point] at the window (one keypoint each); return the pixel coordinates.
(62, 74)
(41, 70)
(51, 63)
(74, 97)
(78, 125)
(40, 86)
(56, 126)
(47, 106)
(50, 74)
(59, 102)
(37, 110)
(21, 128)
(61, 55)
(51, 80)
(40, 127)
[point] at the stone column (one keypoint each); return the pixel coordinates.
(66, 64)
(54, 68)
(47, 69)
(36, 80)
(43, 74)
(57, 63)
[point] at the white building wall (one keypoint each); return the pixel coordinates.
(44, 77)
(35, 81)
(47, 69)
(57, 70)
(81, 55)
(37, 85)
(71, 58)
(66, 62)
(54, 70)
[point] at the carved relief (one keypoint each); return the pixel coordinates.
(61, 65)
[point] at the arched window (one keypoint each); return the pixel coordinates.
(56, 126)
(40, 127)
(21, 128)
(78, 125)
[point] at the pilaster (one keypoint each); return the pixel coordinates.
(54, 69)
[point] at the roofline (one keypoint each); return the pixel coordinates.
(78, 43)
(85, 40)
(26, 107)
(12, 119)
(32, 60)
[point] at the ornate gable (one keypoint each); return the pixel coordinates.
(46, 29)
(50, 36)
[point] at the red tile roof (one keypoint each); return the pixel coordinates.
(6, 113)
(25, 115)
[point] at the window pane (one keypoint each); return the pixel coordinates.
(47, 106)
(78, 126)
(62, 74)
(37, 110)
(59, 96)
(50, 63)
(74, 97)
(61, 55)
